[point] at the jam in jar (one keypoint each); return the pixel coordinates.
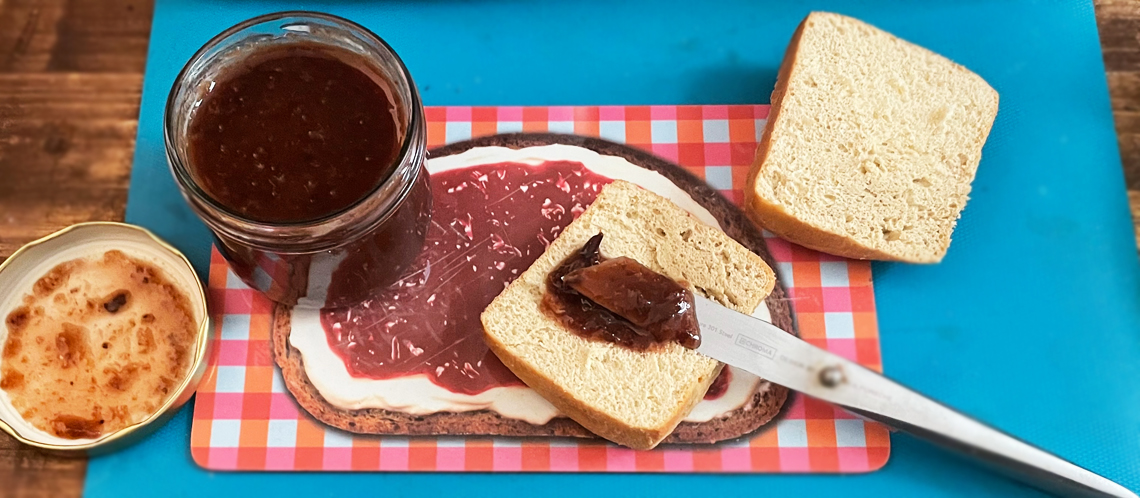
(299, 138)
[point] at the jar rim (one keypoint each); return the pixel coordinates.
(181, 169)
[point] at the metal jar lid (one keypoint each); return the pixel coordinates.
(20, 271)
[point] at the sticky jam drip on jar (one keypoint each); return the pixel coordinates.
(620, 300)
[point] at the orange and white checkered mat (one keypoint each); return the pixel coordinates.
(244, 419)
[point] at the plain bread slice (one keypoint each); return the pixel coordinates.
(871, 144)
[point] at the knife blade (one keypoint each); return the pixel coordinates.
(763, 349)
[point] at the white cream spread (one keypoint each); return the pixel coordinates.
(418, 395)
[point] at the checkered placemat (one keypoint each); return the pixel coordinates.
(245, 419)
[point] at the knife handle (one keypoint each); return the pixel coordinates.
(908, 411)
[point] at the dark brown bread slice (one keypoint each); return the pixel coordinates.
(761, 409)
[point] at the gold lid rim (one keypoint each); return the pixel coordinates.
(185, 388)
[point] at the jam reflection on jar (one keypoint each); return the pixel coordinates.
(299, 139)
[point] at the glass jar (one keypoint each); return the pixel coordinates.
(337, 258)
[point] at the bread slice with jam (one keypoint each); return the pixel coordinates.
(633, 398)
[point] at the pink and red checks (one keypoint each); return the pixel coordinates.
(244, 419)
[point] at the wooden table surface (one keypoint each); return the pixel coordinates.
(70, 81)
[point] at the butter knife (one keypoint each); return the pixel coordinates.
(759, 347)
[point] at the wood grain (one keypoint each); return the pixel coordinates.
(70, 82)
(1119, 23)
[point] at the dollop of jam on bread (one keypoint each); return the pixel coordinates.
(98, 345)
(620, 300)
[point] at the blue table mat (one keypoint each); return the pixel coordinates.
(1031, 323)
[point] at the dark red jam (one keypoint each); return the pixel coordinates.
(308, 135)
(620, 300)
(295, 134)
(489, 224)
(359, 268)
(719, 385)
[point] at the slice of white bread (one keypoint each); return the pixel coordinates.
(631, 398)
(871, 144)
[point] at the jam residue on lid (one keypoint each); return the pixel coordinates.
(620, 300)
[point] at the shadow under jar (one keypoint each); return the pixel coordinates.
(299, 139)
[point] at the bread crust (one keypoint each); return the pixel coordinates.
(774, 218)
(764, 406)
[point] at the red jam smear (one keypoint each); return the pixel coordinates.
(489, 224)
(294, 134)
